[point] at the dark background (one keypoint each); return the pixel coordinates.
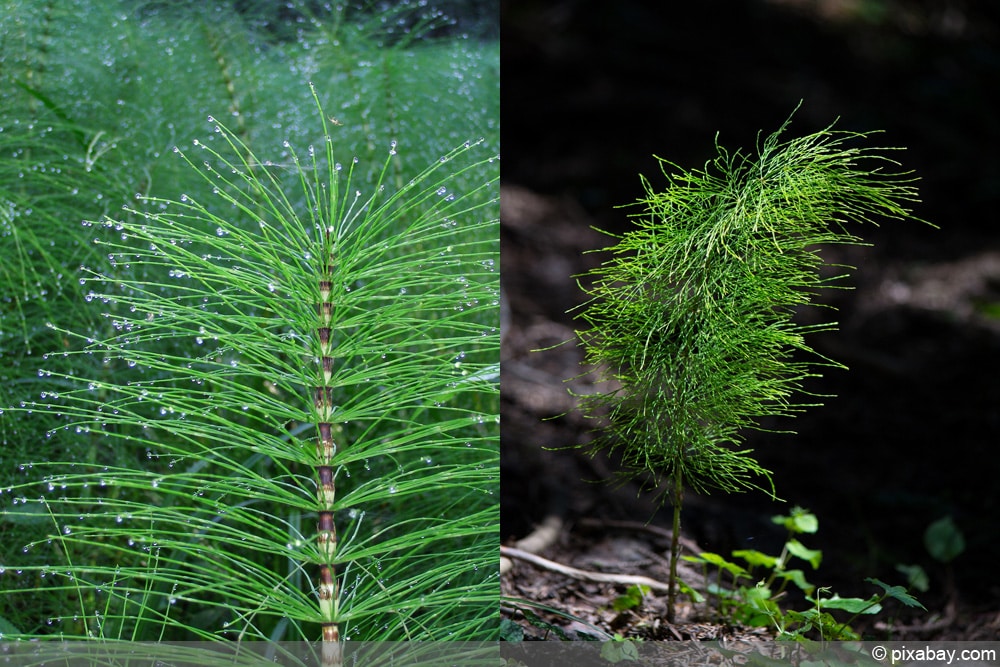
(591, 90)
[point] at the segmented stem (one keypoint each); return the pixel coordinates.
(326, 532)
(215, 45)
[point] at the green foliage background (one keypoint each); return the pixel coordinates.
(94, 96)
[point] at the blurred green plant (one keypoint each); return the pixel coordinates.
(692, 321)
(945, 542)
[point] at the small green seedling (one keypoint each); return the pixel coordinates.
(693, 320)
(632, 599)
(753, 600)
(944, 542)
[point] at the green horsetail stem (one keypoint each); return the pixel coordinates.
(693, 320)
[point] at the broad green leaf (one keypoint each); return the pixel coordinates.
(797, 578)
(719, 562)
(758, 596)
(811, 556)
(798, 521)
(807, 616)
(897, 592)
(695, 596)
(755, 558)
(721, 591)
(757, 607)
(916, 576)
(853, 605)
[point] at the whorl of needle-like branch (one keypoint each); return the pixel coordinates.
(693, 318)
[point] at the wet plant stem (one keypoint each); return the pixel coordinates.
(326, 533)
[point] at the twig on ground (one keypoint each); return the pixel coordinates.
(540, 539)
(585, 575)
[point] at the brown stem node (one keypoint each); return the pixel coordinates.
(326, 538)
(325, 312)
(323, 400)
(324, 339)
(327, 447)
(327, 491)
(327, 591)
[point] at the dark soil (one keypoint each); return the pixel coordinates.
(590, 92)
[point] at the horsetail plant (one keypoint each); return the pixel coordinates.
(308, 377)
(693, 321)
